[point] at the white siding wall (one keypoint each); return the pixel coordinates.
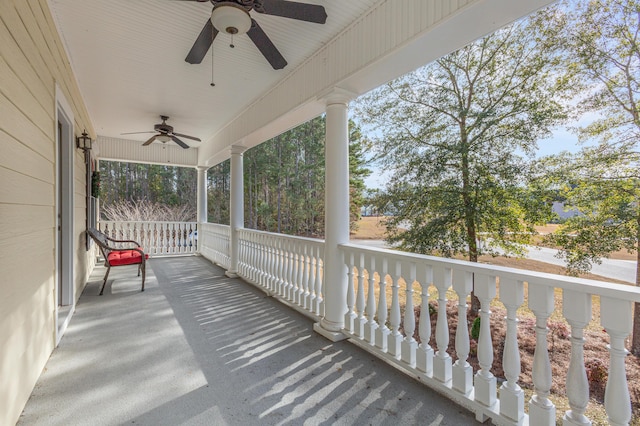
(32, 61)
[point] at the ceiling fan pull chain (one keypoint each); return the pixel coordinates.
(232, 45)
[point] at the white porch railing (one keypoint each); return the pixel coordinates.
(214, 243)
(157, 238)
(291, 268)
(375, 324)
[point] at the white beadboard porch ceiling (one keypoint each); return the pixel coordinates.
(128, 57)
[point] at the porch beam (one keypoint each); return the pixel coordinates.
(336, 213)
(236, 207)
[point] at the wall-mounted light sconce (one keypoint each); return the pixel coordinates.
(83, 142)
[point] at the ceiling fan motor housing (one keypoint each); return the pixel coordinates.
(230, 18)
(163, 128)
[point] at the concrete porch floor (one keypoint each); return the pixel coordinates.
(198, 348)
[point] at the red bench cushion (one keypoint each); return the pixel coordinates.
(125, 257)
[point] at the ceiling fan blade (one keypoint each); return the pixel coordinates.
(151, 139)
(294, 10)
(137, 133)
(179, 142)
(264, 44)
(202, 44)
(187, 136)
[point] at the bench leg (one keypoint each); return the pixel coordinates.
(105, 280)
(143, 267)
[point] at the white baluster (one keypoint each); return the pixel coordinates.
(163, 238)
(409, 344)
(176, 238)
(395, 338)
(306, 256)
(290, 281)
(301, 263)
(484, 381)
(172, 234)
(576, 308)
(294, 272)
(280, 267)
(372, 325)
(258, 247)
(245, 247)
(616, 318)
(320, 283)
(285, 270)
(382, 333)
(295, 258)
(511, 395)
(350, 316)
(319, 307)
(266, 275)
(462, 370)
(273, 264)
(360, 304)
(541, 409)
(442, 360)
(255, 258)
(266, 240)
(424, 354)
(148, 236)
(313, 275)
(154, 244)
(179, 238)
(244, 255)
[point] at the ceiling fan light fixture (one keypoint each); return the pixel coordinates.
(163, 138)
(230, 18)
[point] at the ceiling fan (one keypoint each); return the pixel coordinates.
(232, 17)
(165, 134)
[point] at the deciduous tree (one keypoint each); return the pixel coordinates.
(456, 137)
(603, 181)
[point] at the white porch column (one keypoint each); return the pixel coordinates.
(202, 194)
(336, 214)
(201, 200)
(236, 207)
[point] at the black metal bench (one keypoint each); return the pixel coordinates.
(116, 255)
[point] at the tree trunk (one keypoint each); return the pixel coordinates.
(470, 224)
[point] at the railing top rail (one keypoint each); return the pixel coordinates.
(216, 225)
(284, 236)
(601, 288)
(146, 221)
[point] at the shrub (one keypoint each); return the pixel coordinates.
(596, 371)
(559, 329)
(147, 211)
(432, 309)
(475, 329)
